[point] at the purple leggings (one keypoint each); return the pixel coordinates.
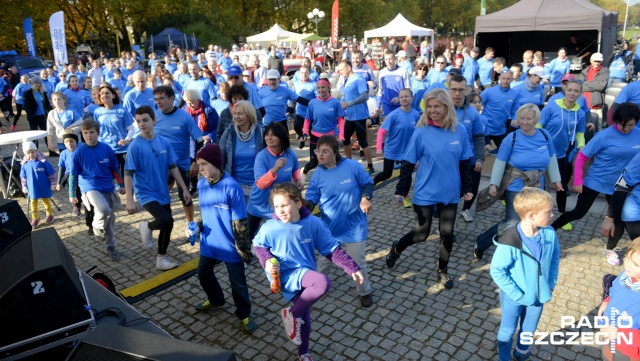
(314, 286)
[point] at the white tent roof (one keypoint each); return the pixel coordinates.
(398, 27)
(275, 34)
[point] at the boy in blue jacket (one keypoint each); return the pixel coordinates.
(525, 267)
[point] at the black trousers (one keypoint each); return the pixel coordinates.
(163, 221)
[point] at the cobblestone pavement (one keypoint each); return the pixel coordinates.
(412, 319)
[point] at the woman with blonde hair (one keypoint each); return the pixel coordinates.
(442, 151)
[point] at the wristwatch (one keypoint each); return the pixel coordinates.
(366, 196)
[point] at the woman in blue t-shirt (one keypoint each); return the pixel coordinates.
(557, 68)
(613, 148)
(276, 163)
(625, 202)
(116, 123)
(522, 159)
(441, 149)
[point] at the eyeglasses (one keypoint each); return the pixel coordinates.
(231, 77)
(323, 152)
(161, 99)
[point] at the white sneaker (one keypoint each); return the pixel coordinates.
(146, 235)
(612, 257)
(291, 326)
(466, 215)
(303, 177)
(164, 263)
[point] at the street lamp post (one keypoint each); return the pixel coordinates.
(316, 16)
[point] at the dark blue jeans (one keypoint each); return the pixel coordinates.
(485, 240)
(237, 278)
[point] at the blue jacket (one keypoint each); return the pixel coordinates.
(228, 145)
(518, 274)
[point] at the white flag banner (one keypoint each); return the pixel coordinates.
(58, 39)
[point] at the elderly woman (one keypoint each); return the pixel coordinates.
(530, 91)
(235, 94)
(240, 143)
(522, 159)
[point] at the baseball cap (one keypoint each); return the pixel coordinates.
(476, 49)
(273, 74)
(455, 71)
(597, 57)
(567, 77)
(234, 70)
(402, 53)
(539, 71)
(246, 72)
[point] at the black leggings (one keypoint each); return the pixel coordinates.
(39, 121)
(121, 158)
(313, 159)
(584, 203)
(565, 174)
(475, 184)
(253, 224)
(423, 227)
(298, 124)
(18, 113)
(497, 139)
(387, 170)
(633, 228)
(163, 221)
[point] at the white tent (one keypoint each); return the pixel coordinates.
(399, 27)
(275, 34)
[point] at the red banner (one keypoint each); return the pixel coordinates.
(335, 10)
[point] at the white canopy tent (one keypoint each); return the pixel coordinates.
(399, 27)
(275, 34)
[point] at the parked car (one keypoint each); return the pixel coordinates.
(27, 65)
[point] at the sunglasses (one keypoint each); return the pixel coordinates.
(233, 77)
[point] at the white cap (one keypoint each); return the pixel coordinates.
(246, 72)
(402, 54)
(26, 146)
(273, 74)
(539, 71)
(597, 57)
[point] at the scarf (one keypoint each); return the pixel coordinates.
(198, 114)
(627, 282)
(530, 87)
(244, 136)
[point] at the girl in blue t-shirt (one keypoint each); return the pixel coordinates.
(61, 120)
(38, 179)
(398, 127)
(441, 149)
(276, 163)
(291, 239)
(613, 148)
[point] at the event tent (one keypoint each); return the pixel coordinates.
(546, 25)
(275, 34)
(171, 36)
(399, 27)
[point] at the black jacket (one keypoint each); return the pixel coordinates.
(31, 106)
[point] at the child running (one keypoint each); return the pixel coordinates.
(525, 267)
(291, 238)
(38, 179)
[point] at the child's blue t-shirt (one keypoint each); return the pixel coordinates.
(399, 126)
(94, 166)
(37, 174)
(259, 199)
(150, 161)
(65, 159)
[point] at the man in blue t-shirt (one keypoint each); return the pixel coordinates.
(138, 96)
(150, 160)
(276, 98)
(485, 68)
(180, 130)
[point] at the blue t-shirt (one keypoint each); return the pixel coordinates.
(391, 82)
(220, 205)
(62, 86)
(529, 152)
(275, 103)
(66, 157)
(19, 90)
(113, 126)
(562, 124)
(134, 99)
(617, 68)
(259, 199)
(180, 130)
(469, 117)
(556, 70)
(37, 174)
(39, 103)
(625, 300)
(439, 152)
(355, 86)
(470, 69)
(254, 97)
(435, 76)
(631, 175)
(630, 93)
(324, 114)
(48, 87)
(118, 84)
(523, 96)
(307, 90)
(613, 151)
(219, 105)
(485, 70)
(338, 192)
(244, 156)
(204, 87)
(75, 100)
(150, 160)
(417, 84)
(399, 126)
(497, 104)
(293, 245)
(93, 166)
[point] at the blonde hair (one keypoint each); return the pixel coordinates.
(531, 199)
(248, 109)
(191, 95)
(529, 107)
(443, 96)
(634, 247)
(61, 96)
